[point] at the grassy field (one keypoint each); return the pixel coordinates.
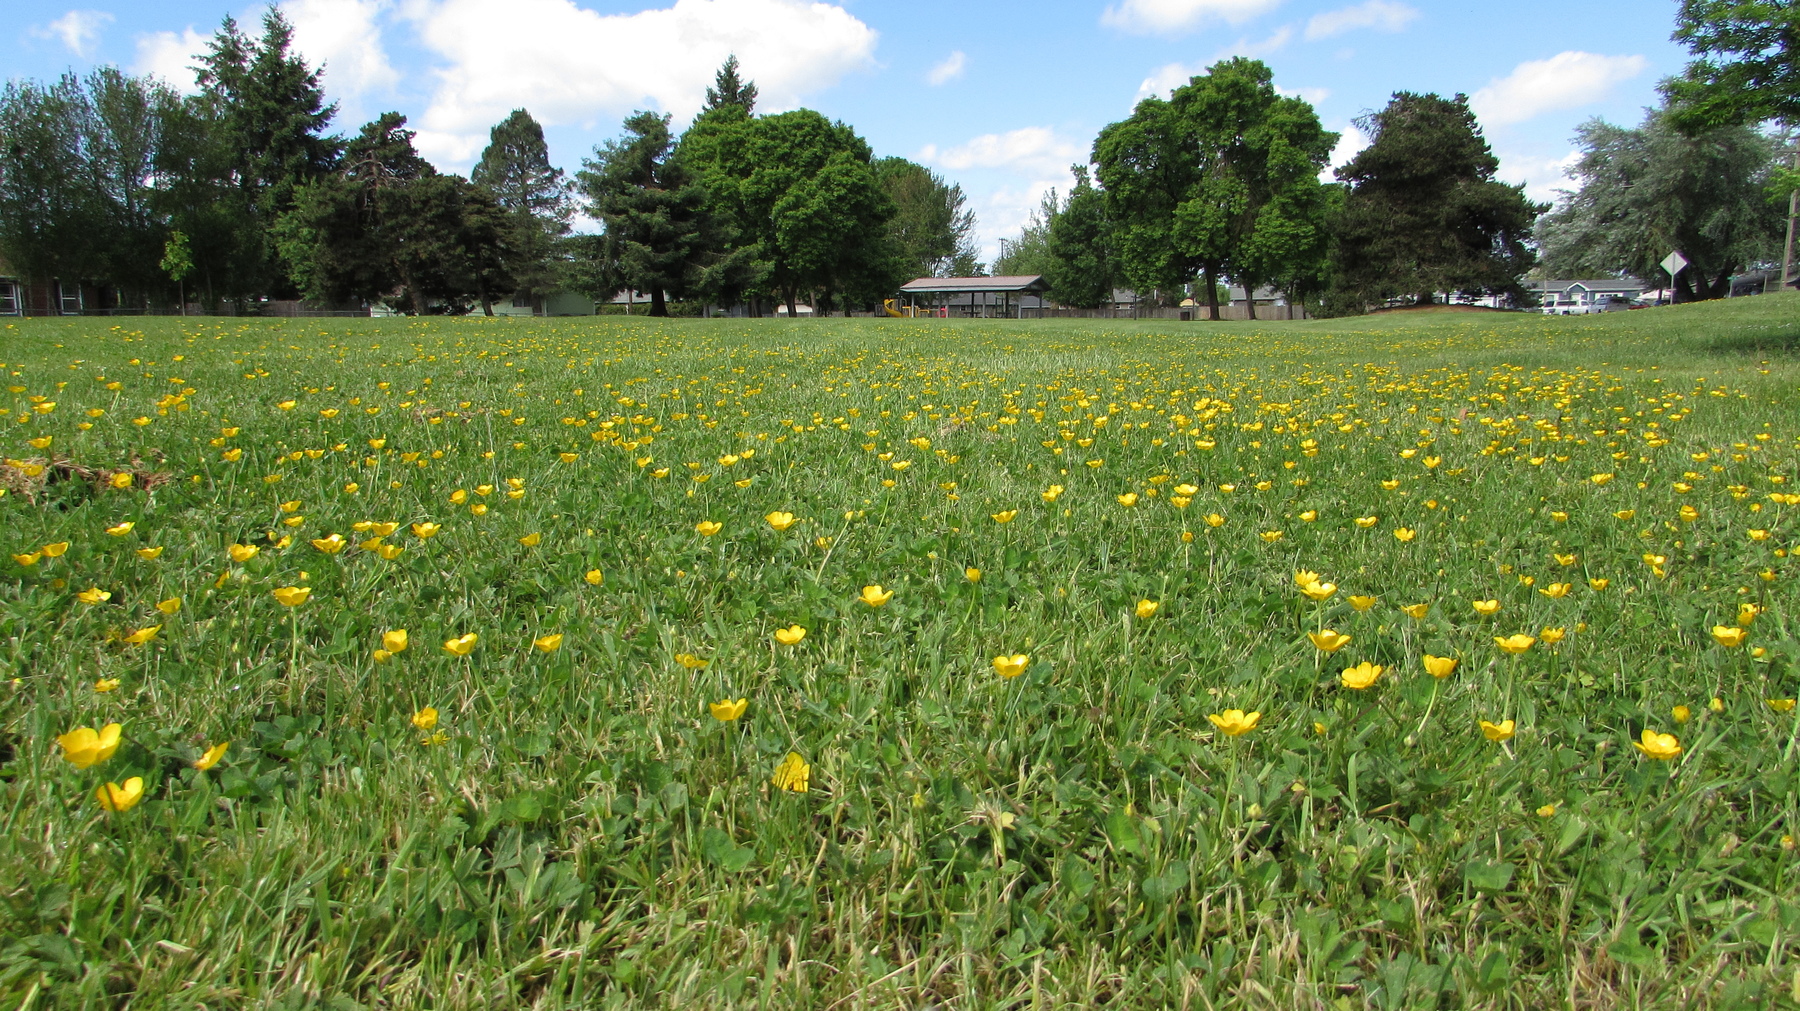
(598, 535)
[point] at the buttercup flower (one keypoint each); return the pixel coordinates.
(1147, 608)
(1661, 747)
(1681, 714)
(1497, 732)
(1781, 705)
(1417, 612)
(1729, 636)
(1747, 613)
(93, 595)
(1440, 666)
(55, 550)
(426, 530)
(793, 774)
(1404, 534)
(1599, 584)
(1128, 499)
(395, 640)
(330, 545)
(426, 718)
(1556, 591)
(875, 596)
(594, 577)
(1328, 640)
(548, 643)
(1552, 636)
(242, 552)
(1485, 608)
(532, 540)
(106, 684)
(690, 661)
(972, 574)
(781, 520)
(1514, 644)
(462, 645)
(117, 797)
(790, 635)
(291, 596)
(1316, 590)
(121, 529)
(1361, 603)
(85, 746)
(143, 635)
(1011, 666)
(725, 710)
(707, 528)
(1233, 722)
(1361, 676)
(150, 554)
(1005, 517)
(212, 756)
(29, 559)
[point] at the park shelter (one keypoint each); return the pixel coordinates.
(979, 297)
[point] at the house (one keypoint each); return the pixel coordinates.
(1579, 297)
(21, 297)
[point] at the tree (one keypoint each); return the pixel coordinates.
(516, 169)
(659, 235)
(1217, 181)
(1652, 189)
(1424, 213)
(932, 228)
(271, 117)
(1080, 268)
(178, 262)
(1030, 252)
(729, 90)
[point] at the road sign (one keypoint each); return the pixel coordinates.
(1674, 263)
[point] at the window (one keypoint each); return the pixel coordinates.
(69, 298)
(9, 297)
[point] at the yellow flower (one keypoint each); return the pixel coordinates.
(790, 635)
(330, 545)
(212, 756)
(93, 595)
(1440, 666)
(1716, 704)
(1270, 536)
(383, 656)
(291, 506)
(707, 528)
(389, 551)
(1661, 747)
(1431, 462)
(1128, 499)
(1729, 636)
(781, 520)
(426, 530)
(106, 685)
(1404, 534)
(1361, 676)
(594, 577)
(291, 596)
(117, 798)
(1557, 591)
(972, 574)
(55, 550)
(143, 635)
(426, 718)
(1781, 705)
(1051, 494)
(1564, 560)
(395, 640)
(242, 552)
(690, 661)
(548, 643)
(725, 710)
(1309, 515)
(352, 488)
(286, 405)
(1758, 535)
(1547, 811)
(458, 497)
(85, 746)
(462, 645)
(1011, 666)
(793, 774)
(1498, 732)
(1514, 644)
(150, 554)
(1552, 636)
(1147, 608)
(1214, 520)
(1485, 608)
(1328, 640)
(1233, 722)
(875, 596)
(1600, 479)
(1417, 612)
(169, 606)
(532, 540)
(1316, 590)
(1681, 713)
(121, 529)
(1747, 613)
(1599, 584)
(1005, 517)
(1365, 522)
(28, 560)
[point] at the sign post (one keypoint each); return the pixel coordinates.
(1672, 265)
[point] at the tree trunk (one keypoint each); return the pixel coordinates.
(658, 306)
(1212, 295)
(793, 308)
(412, 291)
(1250, 299)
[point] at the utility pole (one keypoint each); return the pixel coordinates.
(1787, 256)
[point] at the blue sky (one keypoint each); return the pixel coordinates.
(1000, 96)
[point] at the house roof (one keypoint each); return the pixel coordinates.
(1591, 284)
(964, 285)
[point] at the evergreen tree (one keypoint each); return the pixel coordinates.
(932, 228)
(658, 229)
(1080, 267)
(1424, 213)
(1648, 190)
(516, 169)
(1030, 252)
(729, 90)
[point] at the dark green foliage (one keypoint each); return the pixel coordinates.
(1080, 268)
(1424, 213)
(729, 89)
(932, 228)
(1220, 180)
(1748, 65)
(516, 169)
(1652, 189)
(1030, 252)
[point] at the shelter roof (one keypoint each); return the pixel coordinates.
(942, 285)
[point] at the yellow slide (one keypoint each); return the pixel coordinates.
(887, 306)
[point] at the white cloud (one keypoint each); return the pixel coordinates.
(949, 70)
(1312, 95)
(1563, 81)
(1256, 49)
(77, 30)
(1350, 143)
(343, 37)
(1034, 149)
(1003, 212)
(1542, 175)
(568, 64)
(1165, 79)
(1386, 15)
(171, 56)
(1150, 16)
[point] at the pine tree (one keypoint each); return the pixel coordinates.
(655, 216)
(532, 194)
(727, 90)
(1080, 270)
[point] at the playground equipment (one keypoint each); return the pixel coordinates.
(912, 311)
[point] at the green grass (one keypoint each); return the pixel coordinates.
(579, 831)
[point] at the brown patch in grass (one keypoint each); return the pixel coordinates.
(30, 478)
